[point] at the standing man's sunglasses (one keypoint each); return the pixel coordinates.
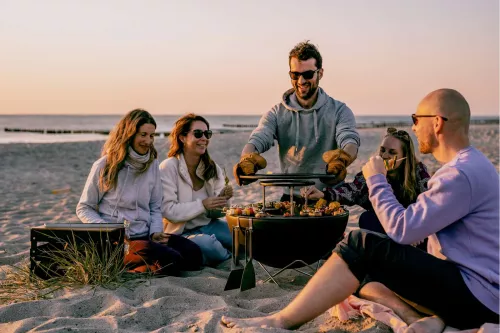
(199, 133)
(307, 75)
(415, 117)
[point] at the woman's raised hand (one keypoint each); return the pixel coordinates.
(214, 202)
(311, 192)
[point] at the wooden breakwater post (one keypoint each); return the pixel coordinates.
(68, 131)
(229, 127)
(55, 131)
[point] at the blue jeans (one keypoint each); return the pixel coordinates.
(214, 240)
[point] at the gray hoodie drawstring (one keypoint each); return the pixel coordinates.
(136, 200)
(297, 131)
(315, 115)
(121, 193)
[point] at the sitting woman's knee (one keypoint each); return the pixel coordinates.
(203, 241)
(211, 248)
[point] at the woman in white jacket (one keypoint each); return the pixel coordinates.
(124, 184)
(193, 188)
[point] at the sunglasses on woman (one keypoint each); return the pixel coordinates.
(198, 133)
(307, 75)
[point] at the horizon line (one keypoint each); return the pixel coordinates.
(211, 114)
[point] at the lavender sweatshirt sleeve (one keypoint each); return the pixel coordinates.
(446, 201)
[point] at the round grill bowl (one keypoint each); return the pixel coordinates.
(278, 240)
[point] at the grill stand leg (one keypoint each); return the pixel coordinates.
(272, 276)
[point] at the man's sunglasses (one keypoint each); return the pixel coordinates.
(199, 133)
(307, 75)
(414, 117)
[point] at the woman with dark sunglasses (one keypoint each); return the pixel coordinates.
(407, 177)
(194, 190)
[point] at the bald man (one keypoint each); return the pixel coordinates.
(458, 279)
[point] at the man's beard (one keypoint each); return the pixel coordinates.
(425, 147)
(310, 93)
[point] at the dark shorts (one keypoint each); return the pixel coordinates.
(416, 276)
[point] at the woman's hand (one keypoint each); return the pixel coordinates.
(311, 193)
(160, 237)
(214, 202)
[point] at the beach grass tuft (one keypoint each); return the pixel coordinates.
(69, 265)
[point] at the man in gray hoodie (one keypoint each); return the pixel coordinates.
(311, 128)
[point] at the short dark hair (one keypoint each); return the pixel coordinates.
(304, 51)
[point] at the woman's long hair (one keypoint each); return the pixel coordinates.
(182, 127)
(116, 147)
(408, 172)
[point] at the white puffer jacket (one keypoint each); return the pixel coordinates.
(178, 206)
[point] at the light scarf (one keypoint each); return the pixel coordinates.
(135, 160)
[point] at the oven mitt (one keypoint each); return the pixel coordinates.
(336, 164)
(249, 164)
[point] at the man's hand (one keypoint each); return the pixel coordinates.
(374, 166)
(214, 202)
(249, 164)
(160, 237)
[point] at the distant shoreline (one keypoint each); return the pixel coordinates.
(225, 128)
(374, 124)
(119, 115)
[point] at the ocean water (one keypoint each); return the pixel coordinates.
(107, 122)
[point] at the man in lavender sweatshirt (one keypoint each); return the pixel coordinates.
(458, 279)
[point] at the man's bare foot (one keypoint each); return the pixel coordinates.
(432, 324)
(263, 322)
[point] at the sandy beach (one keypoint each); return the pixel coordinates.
(30, 173)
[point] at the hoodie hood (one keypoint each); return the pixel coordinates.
(291, 103)
(303, 135)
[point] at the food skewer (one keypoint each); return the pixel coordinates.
(226, 179)
(394, 161)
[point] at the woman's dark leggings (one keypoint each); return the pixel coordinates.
(180, 254)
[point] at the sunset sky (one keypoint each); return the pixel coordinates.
(228, 57)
